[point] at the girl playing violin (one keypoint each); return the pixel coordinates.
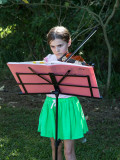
(71, 120)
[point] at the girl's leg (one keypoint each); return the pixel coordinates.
(69, 150)
(53, 149)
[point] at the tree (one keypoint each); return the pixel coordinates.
(103, 21)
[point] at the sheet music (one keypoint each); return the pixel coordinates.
(47, 63)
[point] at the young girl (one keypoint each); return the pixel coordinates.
(71, 121)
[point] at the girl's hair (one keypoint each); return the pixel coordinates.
(58, 32)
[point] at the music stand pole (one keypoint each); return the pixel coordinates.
(57, 141)
(56, 92)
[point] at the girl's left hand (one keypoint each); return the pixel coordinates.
(78, 62)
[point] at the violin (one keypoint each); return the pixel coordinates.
(76, 58)
(79, 59)
(73, 59)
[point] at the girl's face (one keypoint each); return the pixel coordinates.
(59, 47)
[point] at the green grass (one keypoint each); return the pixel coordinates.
(19, 139)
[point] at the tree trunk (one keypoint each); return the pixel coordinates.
(109, 59)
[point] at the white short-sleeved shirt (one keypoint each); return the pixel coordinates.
(49, 58)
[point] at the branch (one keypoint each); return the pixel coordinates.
(5, 6)
(64, 16)
(59, 18)
(84, 31)
(55, 13)
(113, 12)
(81, 21)
(47, 4)
(107, 11)
(95, 16)
(102, 7)
(78, 28)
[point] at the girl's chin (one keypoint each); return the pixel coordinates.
(59, 55)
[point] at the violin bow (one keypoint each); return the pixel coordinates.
(86, 39)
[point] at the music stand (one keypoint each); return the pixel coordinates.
(60, 78)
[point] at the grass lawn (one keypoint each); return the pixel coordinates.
(19, 139)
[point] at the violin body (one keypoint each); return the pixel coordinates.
(73, 59)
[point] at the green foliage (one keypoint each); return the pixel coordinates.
(6, 31)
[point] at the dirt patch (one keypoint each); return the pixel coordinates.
(10, 95)
(102, 108)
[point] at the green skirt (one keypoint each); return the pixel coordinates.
(71, 120)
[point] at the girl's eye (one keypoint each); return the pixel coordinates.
(60, 45)
(52, 46)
